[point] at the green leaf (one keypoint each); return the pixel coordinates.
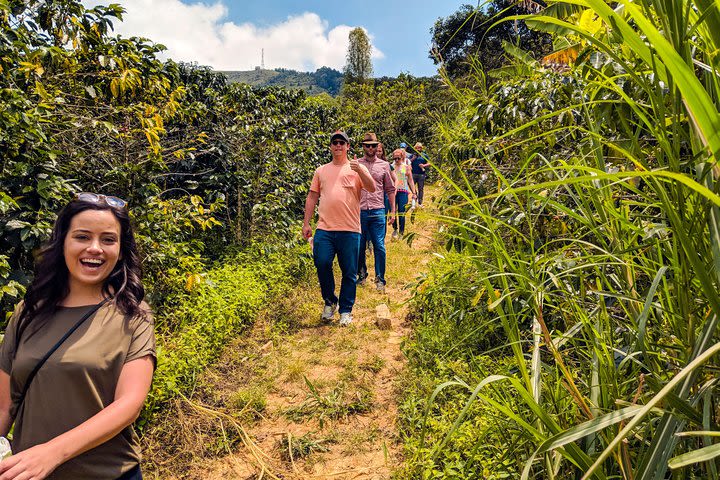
(696, 456)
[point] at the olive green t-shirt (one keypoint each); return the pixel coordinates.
(75, 383)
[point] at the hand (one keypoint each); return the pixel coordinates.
(391, 218)
(354, 164)
(306, 231)
(34, 463)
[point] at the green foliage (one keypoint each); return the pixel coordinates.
(471, 37)
(585, 200)
(451, 330)
(83, 111)
(398, 111)
(199, 320)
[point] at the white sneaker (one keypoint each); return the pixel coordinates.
(328, 312)
(345, 319)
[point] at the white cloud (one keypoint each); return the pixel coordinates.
(201, 33)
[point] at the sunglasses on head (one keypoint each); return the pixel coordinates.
(338, 142)
(101, 199)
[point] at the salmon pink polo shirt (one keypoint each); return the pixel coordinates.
(339, 188)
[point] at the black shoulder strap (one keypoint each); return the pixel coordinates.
(52, 350)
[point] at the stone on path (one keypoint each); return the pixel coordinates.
(382, 317)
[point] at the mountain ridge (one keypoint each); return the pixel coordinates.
(323, 80)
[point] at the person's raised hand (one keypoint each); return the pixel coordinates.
(354, 164)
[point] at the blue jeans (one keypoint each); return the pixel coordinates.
(346, 245)
(373, 225)
(401, 201)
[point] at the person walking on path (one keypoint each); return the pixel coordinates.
(337, 185)
(381, 155)
(373, 220)
(78, 355)
(419, 164)
(404, 186)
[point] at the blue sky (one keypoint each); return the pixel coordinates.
(229, 34)
(400, 29)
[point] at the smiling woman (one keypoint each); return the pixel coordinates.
(84, 318)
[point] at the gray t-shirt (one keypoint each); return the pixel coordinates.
(75, 383)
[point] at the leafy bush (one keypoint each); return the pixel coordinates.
(196, 323)
(451, 328)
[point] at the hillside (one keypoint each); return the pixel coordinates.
(323, 80)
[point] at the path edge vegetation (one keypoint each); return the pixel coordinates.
(571, 328)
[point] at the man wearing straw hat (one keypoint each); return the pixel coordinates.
(372, 211)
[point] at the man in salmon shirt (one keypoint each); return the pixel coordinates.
(337, 185)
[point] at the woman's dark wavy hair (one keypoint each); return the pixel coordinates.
(50, 284)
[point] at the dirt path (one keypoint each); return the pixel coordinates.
(297, 399)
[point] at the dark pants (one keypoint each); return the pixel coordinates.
(419, 186)
(133, 474)
(373, 225)
(401, 201)
(346, 245)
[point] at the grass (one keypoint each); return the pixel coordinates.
(373, 364)
(295, 448)
(338, 402)
(250, 401)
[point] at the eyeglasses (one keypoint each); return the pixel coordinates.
(370, 145)
(339, 142)
(101, 199)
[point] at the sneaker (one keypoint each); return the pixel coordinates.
(329, 312)
(395, 234)
(362, 279)
(345, 319)
(380, 287)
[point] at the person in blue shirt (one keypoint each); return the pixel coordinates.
(419, 163)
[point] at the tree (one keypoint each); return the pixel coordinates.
(472, 34)
(359, 66)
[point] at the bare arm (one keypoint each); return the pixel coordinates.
(389, 188)
(5, 403)
(411, 184)
(310, 204)
(39, 461)
(366, 179)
